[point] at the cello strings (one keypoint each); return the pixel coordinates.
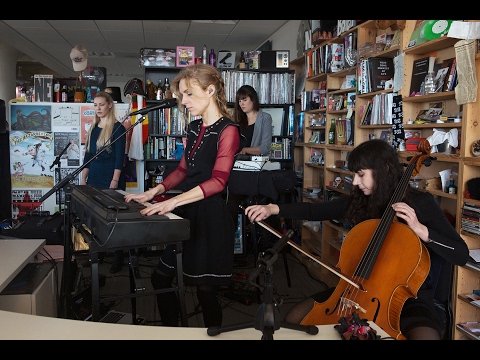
(368, 259)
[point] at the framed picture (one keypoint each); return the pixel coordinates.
(386, 135)
(226, 59)
(283, 59)
(185, 55)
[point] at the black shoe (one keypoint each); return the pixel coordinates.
(117, 262)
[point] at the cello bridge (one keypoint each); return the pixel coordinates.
(349, 304)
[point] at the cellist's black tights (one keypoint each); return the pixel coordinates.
(422, 333)
(298, 312)
(169, 308)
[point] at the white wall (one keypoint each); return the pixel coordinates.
(286, 38)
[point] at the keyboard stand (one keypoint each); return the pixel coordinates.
(136, 289)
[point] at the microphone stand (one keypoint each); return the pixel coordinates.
(267, 317)
(57, 162)
(65, 307)
(57, 159)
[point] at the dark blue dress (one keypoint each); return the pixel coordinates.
(102, 168)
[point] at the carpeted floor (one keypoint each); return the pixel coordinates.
(243, 301)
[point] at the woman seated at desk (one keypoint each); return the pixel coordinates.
(256, 127)
(255, 124)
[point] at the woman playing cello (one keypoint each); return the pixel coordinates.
(377, 173)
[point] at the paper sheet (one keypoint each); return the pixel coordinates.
(466, 89)
(464, 30)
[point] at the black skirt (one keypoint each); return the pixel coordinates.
(208, 254)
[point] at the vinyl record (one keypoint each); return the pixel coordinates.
(434, 29)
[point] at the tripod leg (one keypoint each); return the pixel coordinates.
(215, 330)
(309, 329)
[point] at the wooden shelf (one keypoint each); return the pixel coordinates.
(466, 277)
(467, 333)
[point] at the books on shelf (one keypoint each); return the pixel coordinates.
(440, 77)
(372, 74)
(471, 206)
(472, 327)
(298, 134)
(367, 114)
(471, 219)
(452, 76)
(381, 70)
(280, 149)
(475, 255)
(420, 69)
(316, 99)
(351, 96)
(350, 81)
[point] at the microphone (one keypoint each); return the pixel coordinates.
(166, 103)
(271, 255)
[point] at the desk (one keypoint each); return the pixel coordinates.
(14, 255)
(15, 326)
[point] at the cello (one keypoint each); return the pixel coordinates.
(371, 256)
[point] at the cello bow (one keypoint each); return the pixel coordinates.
(291, 243)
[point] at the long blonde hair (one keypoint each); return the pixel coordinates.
(106, 133)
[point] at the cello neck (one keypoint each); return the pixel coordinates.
(370, 255)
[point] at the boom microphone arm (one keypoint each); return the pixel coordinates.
(166, 103)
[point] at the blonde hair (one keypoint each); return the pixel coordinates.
(106, 133)
(202, 75)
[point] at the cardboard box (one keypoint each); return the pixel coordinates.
(43, 86)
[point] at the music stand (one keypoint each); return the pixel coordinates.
(267, 317)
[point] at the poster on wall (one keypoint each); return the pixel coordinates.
(31, 154)
(24, 201)
(67, 146)
(87, 116)
(41, 132)
(30, 117)
(65, 116)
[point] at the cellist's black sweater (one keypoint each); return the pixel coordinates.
(428, 213)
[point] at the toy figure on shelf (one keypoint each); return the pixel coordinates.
(151, 90)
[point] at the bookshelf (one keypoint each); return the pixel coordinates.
(165, 131)
(326, 243)
(275, 89)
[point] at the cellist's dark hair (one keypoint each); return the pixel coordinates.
(382, 158)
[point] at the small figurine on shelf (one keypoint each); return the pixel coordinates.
(151, 90)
